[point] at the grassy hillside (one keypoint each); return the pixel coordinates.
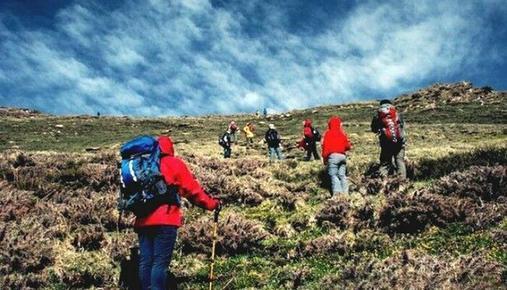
(444, 228)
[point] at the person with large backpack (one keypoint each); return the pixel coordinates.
(152, 182)
(335, 145)
(273, 139)
(226, 141)
(388, 124)
(309, 142)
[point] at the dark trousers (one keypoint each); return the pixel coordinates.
(392, 157)
(156, 246)
(227, 152)
(311, 149)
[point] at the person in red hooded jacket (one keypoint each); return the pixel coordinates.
(157, 231)
(335, 145)
(309, 142)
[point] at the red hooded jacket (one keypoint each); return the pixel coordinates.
(335, 140)
(175, 172)
(307, 129)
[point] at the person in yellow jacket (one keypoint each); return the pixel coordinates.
(249, 133)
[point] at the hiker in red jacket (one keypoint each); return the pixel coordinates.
(335, 145)
(157, 231)
(388, 124)
(309, 142)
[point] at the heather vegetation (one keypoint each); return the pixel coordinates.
(445, 227)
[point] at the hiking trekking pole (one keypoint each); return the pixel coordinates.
(213, 247)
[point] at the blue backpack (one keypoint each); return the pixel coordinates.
(143, 188)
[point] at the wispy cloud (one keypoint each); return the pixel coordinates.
(194, 57)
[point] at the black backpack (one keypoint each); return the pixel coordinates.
(272, 138)
(224, 140)
(316, 135)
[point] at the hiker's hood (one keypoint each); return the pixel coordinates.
(386, 106)
(308, 123)
(166, 145)
(334, 123)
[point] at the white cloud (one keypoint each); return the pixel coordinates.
(188, 57)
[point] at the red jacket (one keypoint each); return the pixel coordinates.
(335, 140)
(307, 129)
(175, 172)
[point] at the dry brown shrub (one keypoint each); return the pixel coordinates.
(23, 281)
(52, 173)
(364, 217)
(386, 186)
(236, 235)
(15, 203)
(346, 243)
(26, 248)
(242, 167)
(481, 183)
(336, 212)
(231, 189)
(325, 245)
(411, 270)
(89, 237)
(289, 200)
(413, 213)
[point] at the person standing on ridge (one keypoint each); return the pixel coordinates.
(158, 230)
(335, 145)
(388, 124)
(226, 142)
(310, 138)
(273, 139)
(233, 128)
(249, 134)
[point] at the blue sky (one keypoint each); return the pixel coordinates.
(189, 57)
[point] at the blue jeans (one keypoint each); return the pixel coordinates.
(156, 246)
(337, 169)
(275, 152)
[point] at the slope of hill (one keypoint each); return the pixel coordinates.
(444, 228)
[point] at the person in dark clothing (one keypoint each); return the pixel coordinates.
(388, 124)
(226, 141)
(310, 138)
(273, 140)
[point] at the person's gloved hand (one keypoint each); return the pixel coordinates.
(219, 204)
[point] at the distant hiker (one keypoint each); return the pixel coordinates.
(335, 145)
(226, 142)
(389, 125)
(273, 140)
(249, 130)
(265, 112)
(233, 128)
(98, 114)
(309, 142)
(153, 180)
